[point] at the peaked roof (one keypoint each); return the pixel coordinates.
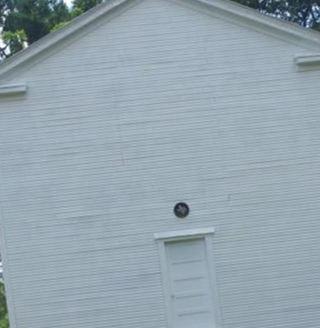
(219, 8)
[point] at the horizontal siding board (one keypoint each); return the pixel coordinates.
(177, 106)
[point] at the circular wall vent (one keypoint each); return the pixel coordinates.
(181, 210)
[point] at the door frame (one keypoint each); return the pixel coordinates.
(202, 233)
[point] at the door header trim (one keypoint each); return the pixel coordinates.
(183, 233)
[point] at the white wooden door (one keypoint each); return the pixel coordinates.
(189, 285)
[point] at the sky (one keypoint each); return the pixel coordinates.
(68, 2)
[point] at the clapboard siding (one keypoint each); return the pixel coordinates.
(160, 104)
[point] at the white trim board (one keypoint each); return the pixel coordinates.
(14, 89)
(183, 233)
(307, 60)
(206, 234)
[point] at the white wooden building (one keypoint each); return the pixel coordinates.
(132, 108)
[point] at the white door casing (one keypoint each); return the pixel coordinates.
(188, 278)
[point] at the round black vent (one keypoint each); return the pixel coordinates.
(181, 210)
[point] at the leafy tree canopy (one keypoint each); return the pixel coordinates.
(303, 12)
(35, 17)
(23, 22)
(4, 321)
(81, 6)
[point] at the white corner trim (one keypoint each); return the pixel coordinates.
(307, 60)
(14, 89)
(183, 233)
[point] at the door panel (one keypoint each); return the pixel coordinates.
(189, 284)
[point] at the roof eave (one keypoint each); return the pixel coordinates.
(53, 38)
(244, 15)
(228, 9)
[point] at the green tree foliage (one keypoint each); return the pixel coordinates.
(14, 40)
(303, 12)
(81, 6)
(4, 321)
(35, 17)
(23, 22)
